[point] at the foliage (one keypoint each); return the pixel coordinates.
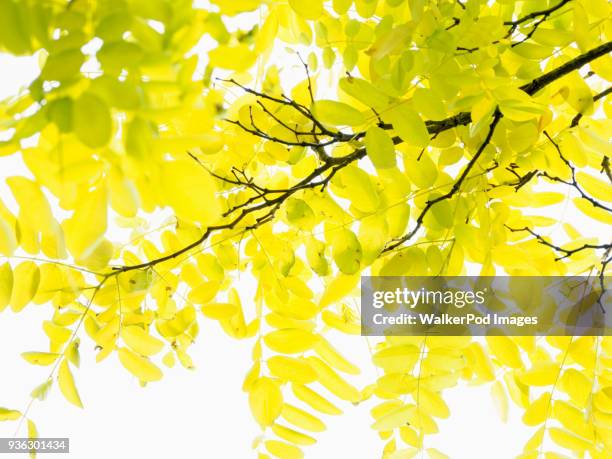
(453, 123)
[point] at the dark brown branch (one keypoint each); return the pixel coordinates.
(543, 15)
(455, 23)
(538, 83)
(573, 182)
(323, 174)
(566, 253)
(605, 167)
(455, 188)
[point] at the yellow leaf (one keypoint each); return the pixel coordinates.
(505, 350)
(603, 400)
(32, 435)
(204, 292)
(85, 229)
(391, 42)
(9, 415)
(40, 358)
(602, 420)
(283, 450)
(141, 342)
(237, 58)
(58, 335)
(394, 419)
(578, 94)
(296, 370)
(330, 355)
(333, 382)
(190, 191)
(293, 436)
(541, 374)
(302, 419)
(139, 366)
(6, 285)
(576, 385)
(300, 214)
(92, 120)
(311, 10)
(26, 280)
(397, 359)
(405, 453)
(380, 148)
(337, 113)
(34, 208)
(13, 37)
(266, 36)
(501, 400)
(63, 65)
(523, 136)
(266, 401)
(314, 400)
(538, 411)
(290, 340)
(594, 186)
(124, 197)
(169, 359)
(346, 251)
(206, 143)
(572, 419)
(408, 125)
(593, 212)
(567, 440)
(365, 92)
(431, 403)
(421, 171)
(516, 104)
(8, 241)
(429, 104)
(219, 311)
(67, 386)
(435, 454)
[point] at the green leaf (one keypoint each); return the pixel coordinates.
(60, 112)
(408, 125)
(429, 104)
(9, 415)
(63, 65)
(13, 33)
(365, 92)
(380, 148)
(42, 391)
(92, 120)
(300, 214)
(337, 113)
(117, 55)
(346, 251)
(312, 9)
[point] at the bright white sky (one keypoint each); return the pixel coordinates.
(202, 413)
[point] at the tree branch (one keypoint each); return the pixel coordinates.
(323, 174)
(455, 188)
(565, 252)
(573, 182)
(543, 15)
(576, 119)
